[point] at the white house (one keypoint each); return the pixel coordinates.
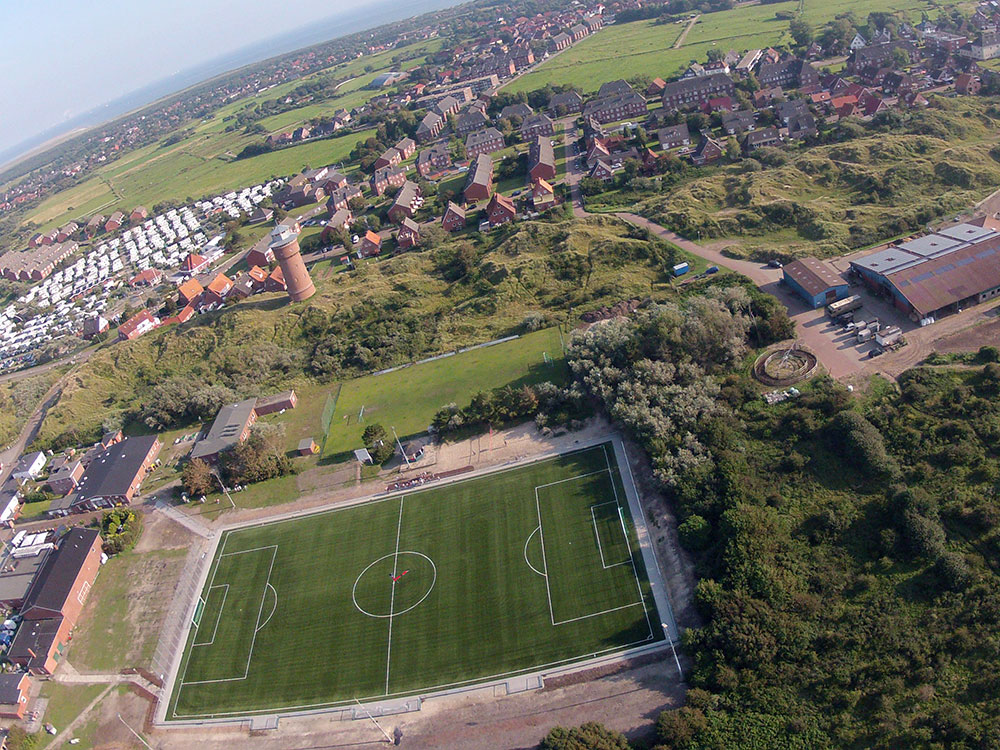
(29, 466)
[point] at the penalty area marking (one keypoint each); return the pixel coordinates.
(526, 543)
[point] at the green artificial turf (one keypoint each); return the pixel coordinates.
(304, 613)
(408, 399)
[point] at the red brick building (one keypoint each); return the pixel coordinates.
(454, 218)
(138, 324)
(408, 234)
(500, 210)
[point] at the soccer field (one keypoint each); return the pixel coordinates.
(515, 571)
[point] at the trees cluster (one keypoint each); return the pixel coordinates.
(261, 456)
(546, 403)
(380, 446)
(120, 530)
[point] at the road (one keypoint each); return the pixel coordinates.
(683, 35)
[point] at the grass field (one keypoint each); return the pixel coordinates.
(518, 570)
(407, 399)
(646, 48)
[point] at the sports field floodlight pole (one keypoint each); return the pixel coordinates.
(673, 650)
(224, 488)
(400, 446)
(137, 735)
(365, 709)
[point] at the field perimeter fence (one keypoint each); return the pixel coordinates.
(328, 410)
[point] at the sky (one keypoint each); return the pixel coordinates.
(62, 58)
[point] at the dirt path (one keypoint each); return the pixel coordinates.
(683, 35)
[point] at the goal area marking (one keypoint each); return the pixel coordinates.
(204, 603)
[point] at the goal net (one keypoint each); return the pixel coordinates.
(198, 610)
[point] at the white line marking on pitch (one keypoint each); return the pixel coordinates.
(257, 625)
(218, 619)
(597, 534)
(628, 544)
(392, 596)
(545, 564)
(273, 609)
(526, 543)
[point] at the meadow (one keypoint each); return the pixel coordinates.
(647, 48)
(407, 399)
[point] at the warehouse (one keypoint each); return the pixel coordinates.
(815, 282)
(937, 274)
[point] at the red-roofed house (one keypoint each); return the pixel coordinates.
(189, 292)
(217, 289)
(500, 210)
(543, 195)
(149, 277)
(371, 244)
(138, 324)
(139, 214)
(276, 281)
(193, 264)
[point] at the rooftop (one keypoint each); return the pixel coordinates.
(226, 429)
(54, 582)
(813, 275)
(112, 472)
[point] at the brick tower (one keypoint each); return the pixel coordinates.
(285, 245)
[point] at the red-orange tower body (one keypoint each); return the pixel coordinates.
(285, 245)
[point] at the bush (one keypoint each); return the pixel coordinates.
(120, 529)
(377, 441)
(589, 736)
(924, 536)
(953, 571)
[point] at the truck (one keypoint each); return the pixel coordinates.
(864, 335)
(711, 270)
(843, 305)
(888, 336)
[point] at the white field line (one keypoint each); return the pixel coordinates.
(421, 691)
(628, 544)
(598, 614)
(545, 564)
(526, 543)
(244, 551)
(260, 611)
(217, 619)
(273, 609)
(392, 596)
(573, 479)
(597, 533)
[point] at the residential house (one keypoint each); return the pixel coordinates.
(276, 281)
(148, 278)
(387, 177)
(691, 93)
(543, 195)
(615, 107)
(434, 160)
(15, 691)
(479, 185)
(407, 202)
(115, 222)
(95, 225)
(765, 97)
(259, 256)
(674, 136)
(216, 290)
(406, 147)
(65, 479)
(261, 215)
(791, 73)
(604, 170)
(138, 324)
(738, 121)
(454, 217)
(708, 151)
(966, 84)
(449, 105)
(29, 466)
(802, 126)
(535, 125)
(139, 214)
(760, 138)
(655, 88)
(190, 291)
(471, 121)
(568, 102)
(785, 111)
(336, 181)
(389, 158)
(541, 159)
(408, 235)
(486, 141)
(500, 210)
(371, 245)
(560, 41)
(430, 127)
(341, 198)
(67, 231)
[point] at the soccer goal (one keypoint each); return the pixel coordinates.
(198, 610)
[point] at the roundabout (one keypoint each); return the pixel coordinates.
(394, 584)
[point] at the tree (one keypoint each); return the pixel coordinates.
(378, 443)
(801, 31)
(120, 529)
(589, 736)
(900, 57)
(196, 478)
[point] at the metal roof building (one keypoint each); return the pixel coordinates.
(938, 273)
(815, 282)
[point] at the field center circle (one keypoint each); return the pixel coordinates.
(400, 564)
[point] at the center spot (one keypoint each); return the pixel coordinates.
(376, 594)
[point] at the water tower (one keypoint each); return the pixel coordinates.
(285, 245)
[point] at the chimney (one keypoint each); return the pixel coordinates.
(285, 245)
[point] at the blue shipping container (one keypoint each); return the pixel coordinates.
(680, 269)
(712, 269)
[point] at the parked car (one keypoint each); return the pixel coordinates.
(775, 263)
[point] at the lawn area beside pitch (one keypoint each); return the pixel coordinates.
(395, 596)
(407, 399)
